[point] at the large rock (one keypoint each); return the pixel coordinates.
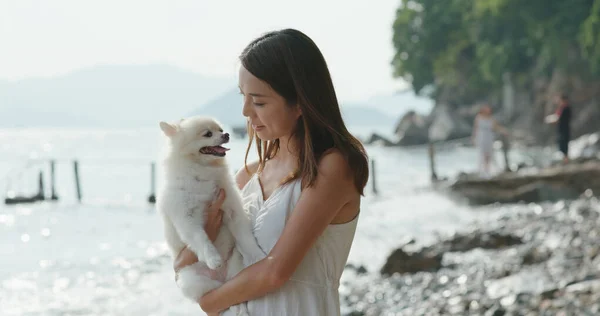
(430, 258)
(539, 99)
(525, 107)
(411, 130)
(479, 239)
(380, 140)
(443, 123)
(554, 183)
(447, 124)
(410, 262)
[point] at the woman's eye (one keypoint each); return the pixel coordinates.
(258, 104)
(208, 134)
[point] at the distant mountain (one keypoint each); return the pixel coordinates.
(227, 108)
(142, 95)
(399, 103)
(359, 114)
(107, 96)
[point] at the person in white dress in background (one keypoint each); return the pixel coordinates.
(304, 192)
(484, 135)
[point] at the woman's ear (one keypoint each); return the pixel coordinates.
(298, 111)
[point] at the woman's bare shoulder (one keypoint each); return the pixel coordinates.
(333, 162)
(245, 174)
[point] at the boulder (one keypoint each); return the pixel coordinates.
(479, 239)
(549, 184)
(430, 258)
(411, 130)
(379, 140)
(410, 262)
(447, 124)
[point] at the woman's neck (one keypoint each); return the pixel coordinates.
(287, 152)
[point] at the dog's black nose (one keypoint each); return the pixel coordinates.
(225, 136)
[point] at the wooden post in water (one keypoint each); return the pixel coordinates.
(40, 196)
(505, 149)
(373, 177)
(53, 196)
(77, 184)
(434, 176)
(152, 197)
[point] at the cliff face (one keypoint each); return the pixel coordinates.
(521, 107)
(536, 100)
(515, 55)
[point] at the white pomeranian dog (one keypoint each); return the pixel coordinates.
(195, 168)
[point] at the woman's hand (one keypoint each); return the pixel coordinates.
(214, 219)
(184, 258)
(214, 216)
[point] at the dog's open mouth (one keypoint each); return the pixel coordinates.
(214, 150)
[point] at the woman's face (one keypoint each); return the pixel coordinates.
(486, 110)
(267, 111)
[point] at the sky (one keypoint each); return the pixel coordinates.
(51, 38)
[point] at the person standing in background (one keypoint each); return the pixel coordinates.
(484, 135)
(562, 119)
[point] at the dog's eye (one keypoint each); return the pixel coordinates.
(208, 134)
(221, 130)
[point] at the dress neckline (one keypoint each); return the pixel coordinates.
(275, 191)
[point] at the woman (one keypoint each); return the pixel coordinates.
(303, 193)
(484, 135)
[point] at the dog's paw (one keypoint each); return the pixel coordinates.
(193, 285)
(212, 257)
(214, 262)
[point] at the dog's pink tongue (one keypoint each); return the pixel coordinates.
(220, 149)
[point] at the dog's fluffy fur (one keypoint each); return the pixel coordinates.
(195, 168)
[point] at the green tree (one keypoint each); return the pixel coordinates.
(465, 46)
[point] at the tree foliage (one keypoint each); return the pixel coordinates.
(466, 46)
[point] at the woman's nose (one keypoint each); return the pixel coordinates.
(246, 108)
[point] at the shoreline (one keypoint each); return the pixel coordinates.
(544, 260)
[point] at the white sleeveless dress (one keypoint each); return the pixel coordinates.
(485, 135)
(313, 288)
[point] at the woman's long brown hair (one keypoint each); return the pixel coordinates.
(292, 64)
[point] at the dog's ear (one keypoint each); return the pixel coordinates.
(168, 129)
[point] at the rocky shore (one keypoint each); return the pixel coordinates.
(531, 185)
(541, 260)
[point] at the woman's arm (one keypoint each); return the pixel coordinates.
(317, 207)
(499, 128)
